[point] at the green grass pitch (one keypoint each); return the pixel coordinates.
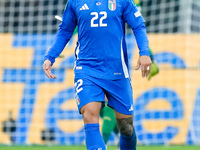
(109, 148)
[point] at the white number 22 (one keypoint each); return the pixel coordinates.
(96, 15)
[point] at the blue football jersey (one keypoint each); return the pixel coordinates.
(101, 48)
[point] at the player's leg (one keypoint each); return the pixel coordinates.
(121, 99)
(128, 140)
(89, 100)
(90, 113)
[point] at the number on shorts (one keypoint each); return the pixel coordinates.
(78, 85)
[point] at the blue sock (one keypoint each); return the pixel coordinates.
(128, 143)
(94, 140)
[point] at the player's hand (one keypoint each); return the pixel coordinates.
(47, 69)
(145, 63)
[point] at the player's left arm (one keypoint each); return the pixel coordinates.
(133, 17)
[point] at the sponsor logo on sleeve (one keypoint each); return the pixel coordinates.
(137, 14)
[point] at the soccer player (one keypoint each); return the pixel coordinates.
(101, 65)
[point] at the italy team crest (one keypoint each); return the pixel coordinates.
(77, 99)
(112, 4)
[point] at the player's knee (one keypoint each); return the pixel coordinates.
(90, 117)
(90, 112)
(125, 126)
(127, 130)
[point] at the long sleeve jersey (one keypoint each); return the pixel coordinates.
(101, 47)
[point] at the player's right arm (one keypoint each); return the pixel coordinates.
(63, 35)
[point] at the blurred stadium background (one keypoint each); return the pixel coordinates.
(37, 110)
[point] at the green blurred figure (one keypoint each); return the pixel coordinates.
(109, 123)
(154, 67)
